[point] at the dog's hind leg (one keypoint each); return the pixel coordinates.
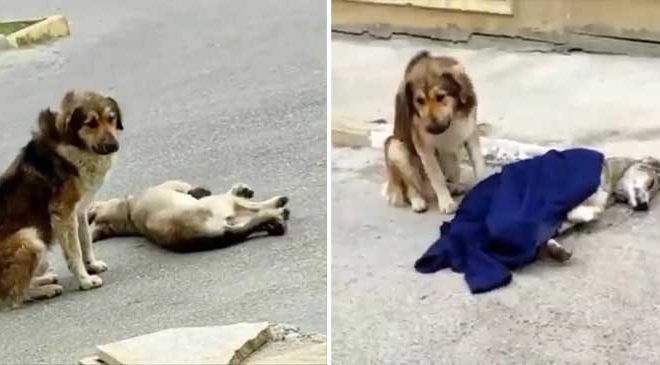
(45, 291)
(272, 221)
(401, 167)
(241, 190)
(21, 254)
(43, 275)
(272, 203)
(555, 251)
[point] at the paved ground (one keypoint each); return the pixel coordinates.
(602, 307)
(609, 102)
(212, 92)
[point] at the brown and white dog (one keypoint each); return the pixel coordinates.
(45, 192)
(182, 218)
(435, 116)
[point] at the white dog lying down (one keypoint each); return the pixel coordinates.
(626, 180)
(182, 218)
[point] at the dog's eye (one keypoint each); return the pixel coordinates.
(420, 100)
(439, 98)
(93, 123)
(650, 185)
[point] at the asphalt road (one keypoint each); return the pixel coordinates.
(214, 92)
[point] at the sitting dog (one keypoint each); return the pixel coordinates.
(45, 192)
(435, 116)
(182, 218)
(626, 180)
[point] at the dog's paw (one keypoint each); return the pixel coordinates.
(276, 228)
(557, 251)
(394, 196)
(90, 282)
(583, 214)
(96, 267)
(418, 205)
(281, 201)
(242, 190)
(45, 279)
(447, 206)
(45, 292)
(286, 213)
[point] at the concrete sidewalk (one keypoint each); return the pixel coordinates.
(608, 102)
(601, 307)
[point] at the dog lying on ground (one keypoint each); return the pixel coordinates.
(45, 192)
(182, 218)
(626, 180)
(435, 116)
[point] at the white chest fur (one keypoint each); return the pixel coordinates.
(92, 168)
(455, 136)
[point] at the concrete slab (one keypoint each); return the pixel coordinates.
(91, 360)
(54, 26)
(289, 345)
(307, 354)
(193, 345)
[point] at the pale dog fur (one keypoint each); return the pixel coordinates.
(169, 215)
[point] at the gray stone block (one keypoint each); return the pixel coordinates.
(192, 345)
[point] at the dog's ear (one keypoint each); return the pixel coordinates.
(416, 58)
(115, 108)
(652, 162)
(47, 128)
(403, 113)
(466, 93)
(76, 119)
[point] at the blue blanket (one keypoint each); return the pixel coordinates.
(502, 221)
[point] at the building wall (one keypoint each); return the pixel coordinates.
(561, 21)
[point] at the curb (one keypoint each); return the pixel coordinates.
(497, 151)
(350, 133)
(55, 26)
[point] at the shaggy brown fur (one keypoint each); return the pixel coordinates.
(41, 192)
(435, 116)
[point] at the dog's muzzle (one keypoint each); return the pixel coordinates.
(436, 127)
(641, 201)
(107, 146)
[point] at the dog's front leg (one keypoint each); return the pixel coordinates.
(92, 265)
(65, 228)
(473, 147)
(446, 203)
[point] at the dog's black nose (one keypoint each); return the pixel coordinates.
(641, 207)
(107, 148)
(437, 128)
